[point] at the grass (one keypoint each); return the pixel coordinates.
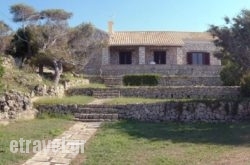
(21, 80)
(64, 100)
(92, 85)
(133, 100)
(130, 142)
(38, 129)
(140, 100)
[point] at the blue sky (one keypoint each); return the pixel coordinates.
(139, 15)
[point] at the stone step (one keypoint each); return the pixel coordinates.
(105, 96)
(108, 90)
(106, 93)
(96, 110)
(94, 120)
(96, 116)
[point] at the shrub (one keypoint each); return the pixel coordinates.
(230, 74)
(245, 85)
(141, 80)
(1, 72)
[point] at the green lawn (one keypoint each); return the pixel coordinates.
(64, 100)
(130, 142)
(37, 129)
(92, 85)
(134, 100)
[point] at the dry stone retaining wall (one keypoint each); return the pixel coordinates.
(193, 111)
(166, 92)
(164, 70)
(44, 90)
(190, 81)
(13, 105)
(172, 81)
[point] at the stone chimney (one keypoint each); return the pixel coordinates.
(110, 26)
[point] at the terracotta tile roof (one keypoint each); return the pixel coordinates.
(156, 38)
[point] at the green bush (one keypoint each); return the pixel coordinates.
(141, 80)
(231, 74)
(1, 72)
(245, 85)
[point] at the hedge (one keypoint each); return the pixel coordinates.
(141, 80)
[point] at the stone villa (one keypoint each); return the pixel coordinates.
(182, 58)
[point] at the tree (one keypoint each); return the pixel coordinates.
(47, 36)
(1, 71)
(23, 40)
(55, 30)
(24, 14)
(233, 39)
(52, 60)
(5, 32)
(24, 44)
(4, 29)
(84, 41)
(55, 15)
(47, 40)
(231, 74)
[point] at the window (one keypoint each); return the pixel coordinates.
(125, 58)
(198, 58)
(160, 57)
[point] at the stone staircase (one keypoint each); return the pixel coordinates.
(110, 93)
(95, 114)
(113, 81)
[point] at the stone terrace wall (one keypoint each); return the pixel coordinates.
(167, 70)
(172, 75)
(172, 81)
(206, 111)
(44, 90)
(167, 92)
(190, 81)
(187, 112)
(14, 105)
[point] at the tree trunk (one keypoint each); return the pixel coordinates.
(58, 71)
(40, 69)
(22, 62)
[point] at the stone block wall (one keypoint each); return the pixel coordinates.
(196, 92)
(14, 105)
(114, 55)
(172, 81)
(174, 55)
(190, 81)
(171, 58)
(164, 70)
(142, 55)
(105, 56)
(199, 46)
(218, 111)
(51, 90)
(113, 81)
(44, 90)
(193, 111)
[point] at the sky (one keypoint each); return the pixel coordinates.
(138, 15)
